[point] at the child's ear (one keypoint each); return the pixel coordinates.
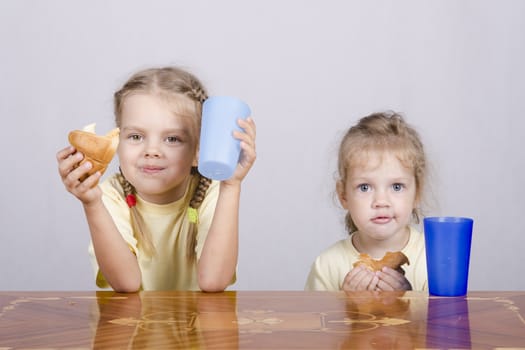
(340, 189)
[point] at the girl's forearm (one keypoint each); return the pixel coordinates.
(218, 259)
(116, 261)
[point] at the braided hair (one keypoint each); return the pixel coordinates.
(168, 82)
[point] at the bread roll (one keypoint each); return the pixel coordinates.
(97, 149)
(394, 260)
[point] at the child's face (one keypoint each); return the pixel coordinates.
(380, 196)
(156, 150)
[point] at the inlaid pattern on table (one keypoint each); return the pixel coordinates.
(260, 320)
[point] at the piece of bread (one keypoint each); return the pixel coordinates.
(394, 260)
(97, 149)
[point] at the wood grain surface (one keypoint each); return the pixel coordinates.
(261, 320)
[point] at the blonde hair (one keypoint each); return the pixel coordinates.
(175, 86)
(384, 132)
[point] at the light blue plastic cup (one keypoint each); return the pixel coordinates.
(219, 151)
(447, 243)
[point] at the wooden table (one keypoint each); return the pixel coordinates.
(260, 320)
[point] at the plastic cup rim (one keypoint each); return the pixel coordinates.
(450, 219)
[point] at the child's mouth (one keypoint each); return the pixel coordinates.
(151, 169)
(381, 219)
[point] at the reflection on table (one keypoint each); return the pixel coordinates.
(260, 320)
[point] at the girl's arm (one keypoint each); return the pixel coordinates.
(218, 259)
(116, 261)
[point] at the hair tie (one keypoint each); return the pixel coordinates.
(193, 216)
(131, 200)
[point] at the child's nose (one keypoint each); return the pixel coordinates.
(152, 155)
(380, 200)
(152, 150)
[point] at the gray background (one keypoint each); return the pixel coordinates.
(308, 69)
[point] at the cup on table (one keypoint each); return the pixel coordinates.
(219, 151)
(447, 243)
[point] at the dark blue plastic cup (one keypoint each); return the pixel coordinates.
(447, 243)
(218, 150)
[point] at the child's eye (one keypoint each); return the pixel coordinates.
(172, 139)
(398, 187)
(364, 187)
(135, 137)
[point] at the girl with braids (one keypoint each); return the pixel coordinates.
(381, 178)
(159, 224)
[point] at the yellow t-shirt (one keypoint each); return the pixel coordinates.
(330, 268)
(169, 226)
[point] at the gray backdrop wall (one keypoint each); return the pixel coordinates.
(308, 69)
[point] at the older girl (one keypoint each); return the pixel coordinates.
(159, 224)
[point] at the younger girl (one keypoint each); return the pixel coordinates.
(159, 224)
(381, 169)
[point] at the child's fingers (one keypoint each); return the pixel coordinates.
(247, 142)
(64, 153)
(373, 285)
(248, 125)
(69, 163)
(248, 152)
(86, 191)
(363, 282)
(71, 181)
(244, 137)
(390, 279)
(248, 135)
(89, 183)
(358, 278)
